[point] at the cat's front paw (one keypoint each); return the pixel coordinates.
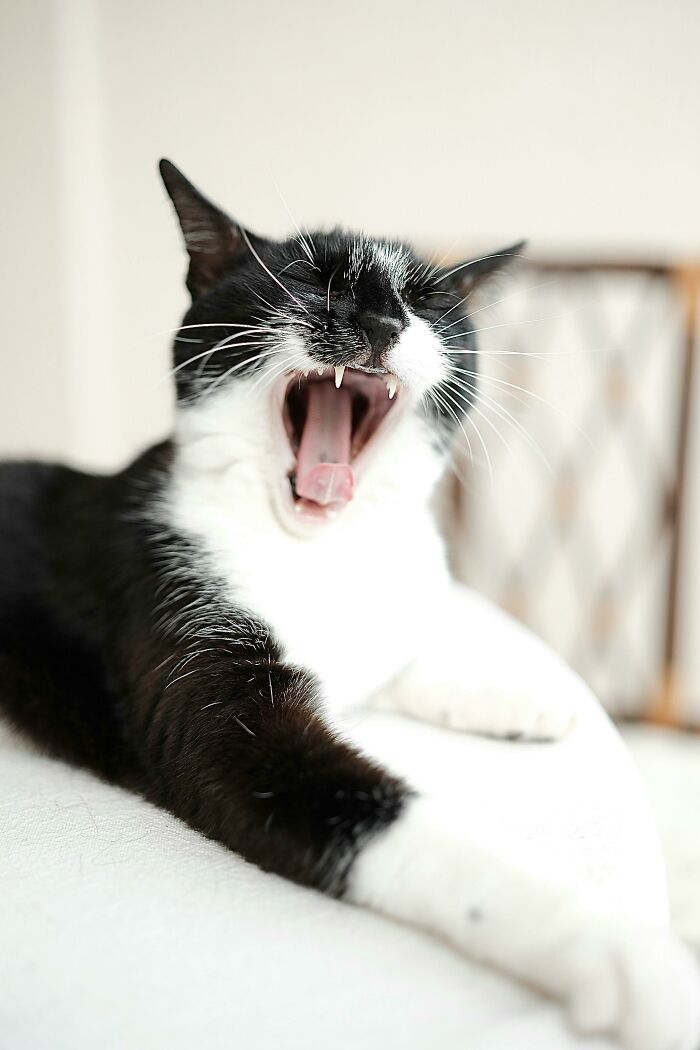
(506, 713)
(635, 983)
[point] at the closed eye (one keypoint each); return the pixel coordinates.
(338, 283)
(426, 300)
(296, 270)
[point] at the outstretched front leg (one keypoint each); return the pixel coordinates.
(240, 750)
(482, 672)
(237, 744)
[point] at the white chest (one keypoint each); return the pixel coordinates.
(352, 614)
(349, 605)
(348, 601)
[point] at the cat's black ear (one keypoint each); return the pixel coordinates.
(468, 275)
(213, 240)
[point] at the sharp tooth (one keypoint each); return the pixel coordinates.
(305, 374)
(391, 385)
(339, 370)
(320, 371)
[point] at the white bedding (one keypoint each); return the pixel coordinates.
(121, 929)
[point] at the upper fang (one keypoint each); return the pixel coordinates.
(391, 385)
(339, 370)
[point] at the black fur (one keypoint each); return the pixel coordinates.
(115, 652)
(333, 294)
(104, 667)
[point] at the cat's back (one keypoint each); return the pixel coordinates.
(23, 492)
(53, 684)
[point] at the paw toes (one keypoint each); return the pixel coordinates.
(639, 985)
(595, 1004)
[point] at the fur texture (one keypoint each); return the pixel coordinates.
(195, 627)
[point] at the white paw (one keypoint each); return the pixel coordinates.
(638, 984)
(504, 713)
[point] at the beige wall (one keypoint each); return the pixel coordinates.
(33, 393)
(458, 124)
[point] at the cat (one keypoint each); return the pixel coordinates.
(195, 627)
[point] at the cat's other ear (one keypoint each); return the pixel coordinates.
(213, 240)
(468, 275)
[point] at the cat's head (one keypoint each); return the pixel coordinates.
(332, 368)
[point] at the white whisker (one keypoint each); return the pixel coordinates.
(458, 419)
(473, 407)
(265, 353)
(486, 328)
(223, 345)
(269, 272)
(328, 292)
(305, 243)
(481, 377)
(295, 262)
(266, 379)
(488, 306)
(507, 417)
(473, 262)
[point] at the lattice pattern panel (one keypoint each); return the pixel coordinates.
(567, 507)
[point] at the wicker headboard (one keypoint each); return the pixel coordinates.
(588, 379)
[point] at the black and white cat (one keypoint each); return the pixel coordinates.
(195, 627)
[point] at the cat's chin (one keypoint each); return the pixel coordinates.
(330, 425)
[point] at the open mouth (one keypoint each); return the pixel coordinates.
(329, 417)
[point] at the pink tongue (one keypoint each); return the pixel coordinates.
(324, 474)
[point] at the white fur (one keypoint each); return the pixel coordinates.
(363, 574)
(613, 975)
(316, 599)
(417, 359)
(477, 673)
(354, 600)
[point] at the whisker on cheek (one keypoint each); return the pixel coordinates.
(486, 328)
(502, 413)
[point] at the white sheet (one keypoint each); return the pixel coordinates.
(121, 928)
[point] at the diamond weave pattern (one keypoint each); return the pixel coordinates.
(567, 469)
